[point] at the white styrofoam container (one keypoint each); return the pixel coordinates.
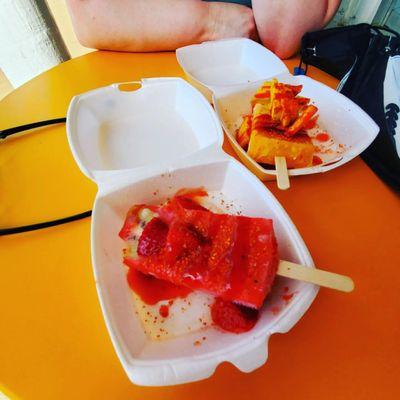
(141, 147)
(230, 71)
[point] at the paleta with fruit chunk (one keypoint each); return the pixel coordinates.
(232, 257)
(277, 126)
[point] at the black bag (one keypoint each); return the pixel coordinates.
(368, 64)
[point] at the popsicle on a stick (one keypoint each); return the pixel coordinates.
(279, 121)
(234, 258)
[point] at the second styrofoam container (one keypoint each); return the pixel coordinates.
(230, 72)
(120, 141)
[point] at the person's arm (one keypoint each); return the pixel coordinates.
(151, 25)
(282, 23)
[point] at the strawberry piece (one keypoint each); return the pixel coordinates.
(153, 238)
(233, 317)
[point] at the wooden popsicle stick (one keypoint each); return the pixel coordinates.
(282, 175)
(316, 276)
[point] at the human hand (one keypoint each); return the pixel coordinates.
(230, 20)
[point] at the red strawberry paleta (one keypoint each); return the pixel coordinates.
(185, 245)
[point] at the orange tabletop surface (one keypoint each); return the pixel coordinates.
(53, 340)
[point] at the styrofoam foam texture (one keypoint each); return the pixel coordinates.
(124, 181)
(177, 360)
(232, 70)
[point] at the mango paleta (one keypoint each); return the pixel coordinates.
(266, 144)
(277, 126)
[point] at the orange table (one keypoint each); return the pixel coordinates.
(53, 341)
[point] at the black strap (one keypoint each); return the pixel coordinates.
(41, 225)
(11, 131)
(386, 29)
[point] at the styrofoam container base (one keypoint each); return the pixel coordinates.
(178, 360)
(230, 71)
(348, 125)
(141, 147)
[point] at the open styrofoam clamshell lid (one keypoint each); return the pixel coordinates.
(113, 131)
(125, 178)
(230, 72)
(227, 62)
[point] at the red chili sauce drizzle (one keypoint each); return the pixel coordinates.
(317, 160)
(322, 137)
(164, 310)
(227, 315)
(287, 297)
(152, 290)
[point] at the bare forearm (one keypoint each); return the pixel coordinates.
(282, 23)
(139, 25)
